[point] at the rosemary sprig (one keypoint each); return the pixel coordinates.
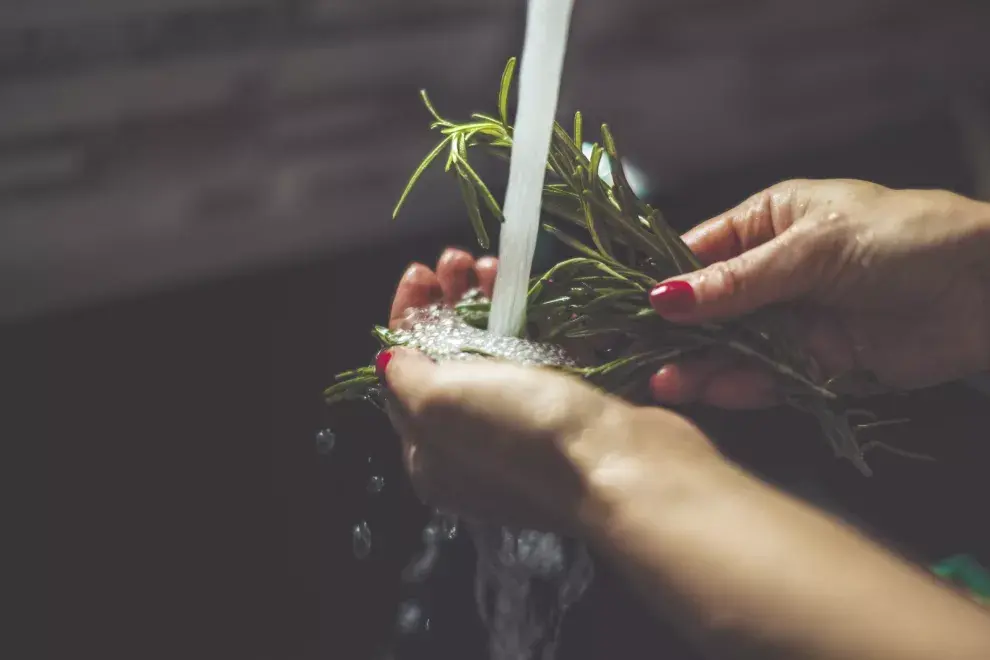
(623, 247)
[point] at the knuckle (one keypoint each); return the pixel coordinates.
(726, 278)
(443, 394)
(440, 399)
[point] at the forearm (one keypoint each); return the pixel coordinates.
(978, 214)
(750, 571)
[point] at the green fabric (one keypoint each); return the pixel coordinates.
(965, 571)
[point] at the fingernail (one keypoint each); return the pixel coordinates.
(381, 362)
(674, 297)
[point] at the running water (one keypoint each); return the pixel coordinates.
(541, 64)
(526, 580)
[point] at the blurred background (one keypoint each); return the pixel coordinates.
(195, 235)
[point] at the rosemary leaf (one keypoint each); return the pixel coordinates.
(440, 121)
(470, 195)
(486, 194)
(503, 90)
(432, 156)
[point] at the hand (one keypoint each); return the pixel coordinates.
(896, 283)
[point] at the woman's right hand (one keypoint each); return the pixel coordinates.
(893, 282)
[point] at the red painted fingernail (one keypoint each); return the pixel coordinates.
(381, 362)
(674, 297)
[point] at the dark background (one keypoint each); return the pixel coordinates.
(162, 412)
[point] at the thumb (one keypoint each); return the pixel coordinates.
(774, 272)
(407, 374)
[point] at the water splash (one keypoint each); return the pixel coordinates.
(526, 581)
(448, 526)
(441, 527)
(442, 335)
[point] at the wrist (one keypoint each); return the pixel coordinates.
(980, 215)
(643, 464)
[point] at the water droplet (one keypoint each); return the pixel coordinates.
(409, 617)
(448, 527)
(361, 540)
(376, 483)
(325, 440)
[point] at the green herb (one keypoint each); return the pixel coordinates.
(623, 247)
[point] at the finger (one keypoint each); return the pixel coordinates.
(781, 270)
(756, 257)
(408, 375)
(456, 272)
(683, 382)
(418, 287)
(754, 222)
(717, 382)
(486, 268)
(741, 389)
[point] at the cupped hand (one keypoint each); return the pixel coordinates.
(524, 446)
(896, 283)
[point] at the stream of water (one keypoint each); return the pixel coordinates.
(540, 68)
(526, 580)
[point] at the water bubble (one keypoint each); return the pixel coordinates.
(325, 440)
(376, 483)
(443, 335)
(361, 540)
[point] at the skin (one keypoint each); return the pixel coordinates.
(745, 569)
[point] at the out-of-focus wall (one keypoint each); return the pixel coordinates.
(146, 142)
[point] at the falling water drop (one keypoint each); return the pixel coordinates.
(325, 440)
(361, 540)
(376, 483)
(409, 618)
